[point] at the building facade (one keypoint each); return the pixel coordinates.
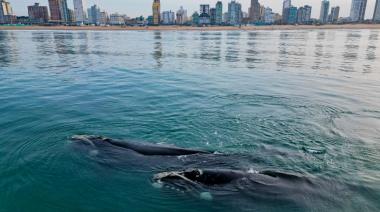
(235, 14)
(64, 10)
(156, 7)
(268, 15)
(168, 18)
(300, 12)
(6, 13)
(94, 15)
(117, 19)
(104, 18)
(324, 15)
(71, 17)
(219, 13)
(181, 16)
(254, 11)
(213, 16)
(304, 15)
(55, 14)
(358, 8)
(334, 15)
(285, 11)
(292, 17)
(59, 11)
(204, 14)
(307, 14)
(195, 18)
(38, 14)
(376, 14)
(79, 10)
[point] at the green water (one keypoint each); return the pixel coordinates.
(301, 102)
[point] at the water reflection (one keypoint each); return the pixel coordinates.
(8, 49)
(157, 52)
(210, 46)
(371, 51)
(318, 50)
(283, 53)
(253, 56)
(42, 41)
(233, 47)
(83, 46)
(352, 46)
(350, 53)
(64, 43)
(181, 47)
(322, 50)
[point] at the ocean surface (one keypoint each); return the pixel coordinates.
(301, 102)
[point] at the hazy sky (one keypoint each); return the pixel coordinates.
(143, 7)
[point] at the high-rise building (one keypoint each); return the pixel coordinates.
(285, 10)
(268, 15)
(59, 11)
(334, 15)
(195, 18)
(204, 14)
(324, 15)
(94, 15)
(235, 14)
(38, 14)
(300, 13)
(168, 17)
(65, 13)
(55, 14)
(6, 12)
(262, 13)
(71, 17)
(181, 16)
(304, 15)
(104, 18)
(156, 7)
(79, 10)
(376, 14)
(225, 17)
(292, 15)
(212, 16)
(307, 14)
(219, 13)
(358, 8)
(254, 11)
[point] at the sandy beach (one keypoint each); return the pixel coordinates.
(189, 28)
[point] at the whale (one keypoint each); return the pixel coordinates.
(213, 177)
(143, 148)
(201, 173)
(204, 176)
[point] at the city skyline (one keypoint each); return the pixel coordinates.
(135, 8)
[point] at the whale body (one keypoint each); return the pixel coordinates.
(201, 173)
(139, 147)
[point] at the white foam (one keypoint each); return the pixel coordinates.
(157, 185)
(94, 152)
(252, 171)
(206, 196)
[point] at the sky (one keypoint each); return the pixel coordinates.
(134, 8)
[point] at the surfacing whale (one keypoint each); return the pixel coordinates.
(139, 147)
(220, 177)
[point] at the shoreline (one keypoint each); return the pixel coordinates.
(190, 28)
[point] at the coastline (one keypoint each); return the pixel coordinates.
(190, 28)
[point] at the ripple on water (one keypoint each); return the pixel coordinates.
(297, 101)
